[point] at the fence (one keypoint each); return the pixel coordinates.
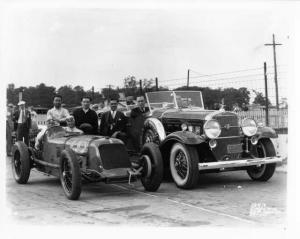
(277, 119)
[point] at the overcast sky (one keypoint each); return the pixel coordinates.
(97, 47)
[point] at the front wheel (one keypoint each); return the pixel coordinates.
(20, 162)
(264, 172)
(70, 175)
(184, 165)
(152, 163)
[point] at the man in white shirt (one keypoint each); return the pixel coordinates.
(58, 113)
(22, 122)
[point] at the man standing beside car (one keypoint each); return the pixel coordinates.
(58, 113)
(137, 118)
(22, 122)
(113, 122)
(140, 109)
(86, 119)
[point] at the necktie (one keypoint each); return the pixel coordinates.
(113, 114)
(22, 116)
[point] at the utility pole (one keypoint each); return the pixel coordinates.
(141, 87)
(109, 88)
(188, 79)
(266, 94)
(275, 67)
(93, 93)
(156, 83)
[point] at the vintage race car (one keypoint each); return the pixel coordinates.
(93, 158)
(192, 139)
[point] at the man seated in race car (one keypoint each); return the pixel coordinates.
(71, 128)
(50, 123)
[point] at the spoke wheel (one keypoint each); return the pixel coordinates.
(70, 175)
(184, 165)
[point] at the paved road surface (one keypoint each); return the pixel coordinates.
(228, 199)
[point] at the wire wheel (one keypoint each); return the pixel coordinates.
(70, 174)
(184, 165)
(67, 174)
(180, 164)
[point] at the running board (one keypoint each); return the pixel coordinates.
(239, 163)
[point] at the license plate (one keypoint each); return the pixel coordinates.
(234, 148)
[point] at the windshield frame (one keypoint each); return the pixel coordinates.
(175, 99)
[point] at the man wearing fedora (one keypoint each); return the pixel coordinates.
(22, 122)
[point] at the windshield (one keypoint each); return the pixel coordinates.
(188, 99)
(161, 99)
(167, 99)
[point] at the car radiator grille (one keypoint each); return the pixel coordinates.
(114, 156)
(229, 125)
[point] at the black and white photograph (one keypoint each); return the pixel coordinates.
(149, 114)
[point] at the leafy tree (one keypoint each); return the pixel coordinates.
(260, 99)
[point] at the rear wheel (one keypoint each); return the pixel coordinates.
(264, 172)
(152, 163)
(184, 165)
(20, 162)
(70, 175)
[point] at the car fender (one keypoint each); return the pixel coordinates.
(185, 137)
(156, 125)
(266, 132)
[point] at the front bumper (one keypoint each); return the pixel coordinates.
(239, 163)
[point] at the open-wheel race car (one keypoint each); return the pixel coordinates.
(90, 157)
(192, 139)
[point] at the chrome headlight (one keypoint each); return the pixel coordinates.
(212, 129)
(249, 127)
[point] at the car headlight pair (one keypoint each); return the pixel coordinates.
(212, 128)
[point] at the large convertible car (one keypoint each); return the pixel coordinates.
(93, 158)
(192, 139)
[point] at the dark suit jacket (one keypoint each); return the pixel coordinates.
(90, 118)
(137, 111)
(118, 123)
(16, 118)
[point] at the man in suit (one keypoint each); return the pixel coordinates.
(137, 119)
(140, 110)
(113, 122)
(86, 119)
(22, 122)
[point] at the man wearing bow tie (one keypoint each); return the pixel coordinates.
(22, 122)
(113, 122)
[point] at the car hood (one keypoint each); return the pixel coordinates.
(80, 144)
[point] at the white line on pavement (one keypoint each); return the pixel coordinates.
(190, 205)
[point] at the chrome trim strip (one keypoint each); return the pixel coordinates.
(230, 137)
(239, 163)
